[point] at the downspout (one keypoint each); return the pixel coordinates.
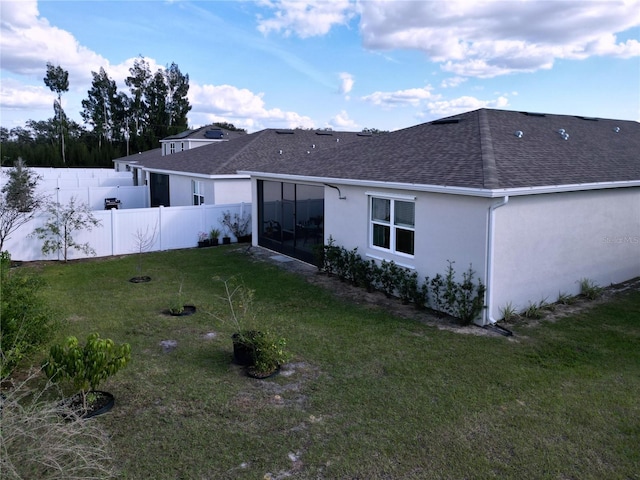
(488, 318)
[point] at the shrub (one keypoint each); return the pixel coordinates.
(590, 289)
(26, 321)
(508, 312)
(86, 366)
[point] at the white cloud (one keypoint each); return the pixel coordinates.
(239, 106)
(341, 121)
(411, 96)
(305, 18)
(464, 104)
(29, 42)
(346, 82)
(492, 37)
(452, 82)
(15, 95)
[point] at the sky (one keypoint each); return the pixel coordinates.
(341, 64)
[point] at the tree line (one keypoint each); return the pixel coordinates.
(119, 124)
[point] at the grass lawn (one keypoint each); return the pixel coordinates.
(366, 396)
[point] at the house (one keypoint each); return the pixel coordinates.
(187, 140)
(209, 174)
(532, 202)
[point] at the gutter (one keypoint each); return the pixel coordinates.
(488, 318)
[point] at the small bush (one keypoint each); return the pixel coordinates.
(590, 289)
(508, 312)
(26, 321)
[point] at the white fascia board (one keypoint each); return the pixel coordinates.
(181, 173)
(474, 192)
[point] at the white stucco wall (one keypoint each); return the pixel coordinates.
(217, 191)
(448, 227)
(232, 191)
(546, 243)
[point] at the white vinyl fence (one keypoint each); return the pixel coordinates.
(174, 227)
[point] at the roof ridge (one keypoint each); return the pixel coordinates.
(244, 147)
(489, 168)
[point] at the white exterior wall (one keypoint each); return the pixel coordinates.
(217, 191)
(448, 227)
(232, 190)
(544, 244)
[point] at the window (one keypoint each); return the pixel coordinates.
(393, 224)
(172, 147)
(198, 192)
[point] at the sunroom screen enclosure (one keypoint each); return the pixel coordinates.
(290, 218)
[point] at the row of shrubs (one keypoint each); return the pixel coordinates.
(442, 293)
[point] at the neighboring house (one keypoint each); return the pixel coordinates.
(209, 174)
(533, 202)
(187, 140)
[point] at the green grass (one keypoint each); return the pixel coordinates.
(370, 396)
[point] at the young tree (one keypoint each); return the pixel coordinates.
(57, 80)
(63, 222)
(18, 200)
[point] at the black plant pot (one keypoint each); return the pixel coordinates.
(243, 348)
(186, 310)
(214, 242)
(103, 402)
(203, 243)
(251, 372)
(140, 279)
(226, 240)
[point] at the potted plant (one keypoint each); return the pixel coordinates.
(238, 224)
(87, 366)
(203, 239)
(214, 234)
(256, 348)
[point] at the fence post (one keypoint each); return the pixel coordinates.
(113, 231)
(160, 225)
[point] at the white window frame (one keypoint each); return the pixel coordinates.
(391, 223)
(197, 188)
(172, 147)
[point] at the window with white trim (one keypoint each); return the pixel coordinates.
(392, 224)
(198, 192)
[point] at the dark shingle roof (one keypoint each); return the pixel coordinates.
(253, 151)
(201, 134)
(479, 149)
(141, 157)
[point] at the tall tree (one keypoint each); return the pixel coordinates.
(57, 79)
(177, 102)
(18, 200)
(156, 95)
(138, 83)
(104, 109)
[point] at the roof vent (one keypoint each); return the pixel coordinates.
(616, 129)
(563, 133)
(324, 132)
(519, 133)
(280, 152)
(337, 140)
(313, 146)
(282, 132)
(534, 114)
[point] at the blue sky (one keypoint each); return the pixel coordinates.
(342, 64)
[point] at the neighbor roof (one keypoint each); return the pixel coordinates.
(201, 134)
(140, 157)
(482, 149)
(253, 151)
